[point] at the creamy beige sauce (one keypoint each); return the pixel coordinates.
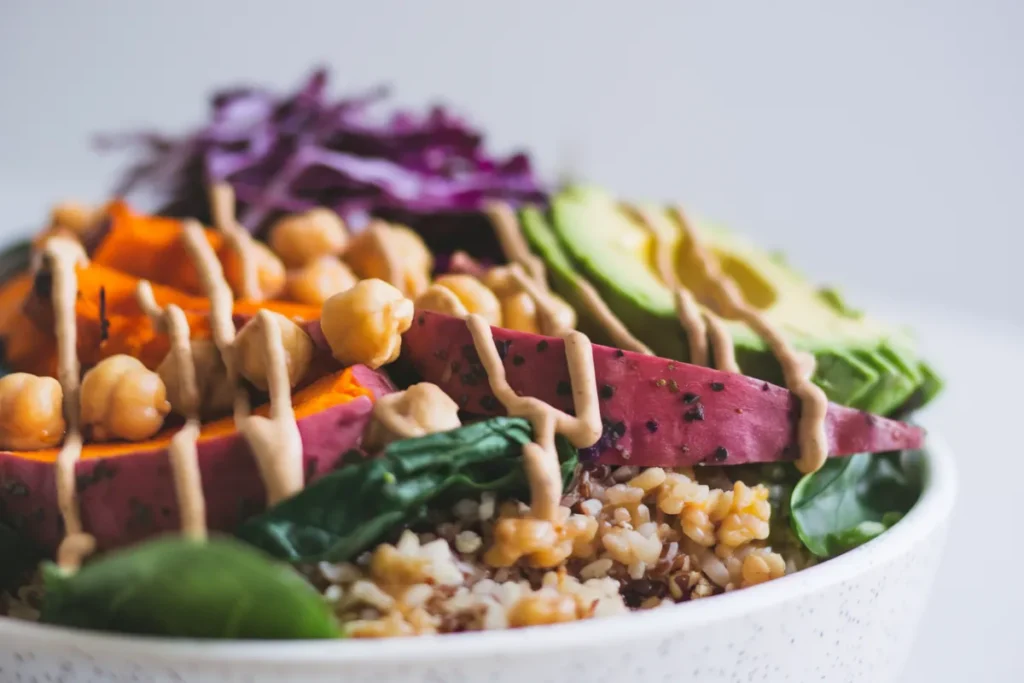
(721, 343)
(183, 453)
(541, 457)
(515, 249)
(797, 370)
(222, 208)
(64, 255)
(513, 244)
(616, 330)
(275, 441)
(547, 314)
(694, 325)
(662, 252)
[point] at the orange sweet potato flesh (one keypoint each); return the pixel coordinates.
(129, 330)
(150, 247)
(26, 347)
(126, 490)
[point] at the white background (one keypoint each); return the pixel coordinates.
(879, 143)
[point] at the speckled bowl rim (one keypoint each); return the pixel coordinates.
(927, 516)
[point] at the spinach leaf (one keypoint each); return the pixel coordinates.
(17, 557)
(178, 587)
(353, 509)
(850, 501)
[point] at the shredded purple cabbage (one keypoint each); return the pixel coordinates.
(288, 154)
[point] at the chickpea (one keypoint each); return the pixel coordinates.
(519, 312)
(364, 324)
(473, 295)
(216, 395)
(301, 238)
(421, 409)
(319, 280)
(442, 300)
(31, 412)
(500, 281)
(392, 253)
(122, 399)
(270, 273)
(565, 315)
(251, 351)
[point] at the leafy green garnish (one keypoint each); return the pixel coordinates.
(850, 501)
(353, 509)
(182, 588)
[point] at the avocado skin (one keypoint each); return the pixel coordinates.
(876, 370)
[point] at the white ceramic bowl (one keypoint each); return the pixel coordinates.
(850, 619)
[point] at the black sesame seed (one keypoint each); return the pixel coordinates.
(721, 453)
(421, 321)
(717, 386)
(690, 397)
(695, 414)
(765, 386)
(619, 353)
(618, 429)
(489, 403)
(607, 391)
(652, 426)
(468, 351)
(563, 388)
(542, 345)
(502, 346)
(518, 360)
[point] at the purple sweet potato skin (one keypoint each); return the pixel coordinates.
(656, 412)
(127, 498)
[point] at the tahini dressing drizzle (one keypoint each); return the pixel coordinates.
(274, 441)
(541, 457)
(182, 452)
(797, 367)
(515, 249)
(222, 207)
(64, 256)
(700, 326)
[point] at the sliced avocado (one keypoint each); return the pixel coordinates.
(610, 249)
(561, 270)
(860, 362)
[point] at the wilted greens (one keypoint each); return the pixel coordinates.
(353, 509)
(177, 587)
(850, 501)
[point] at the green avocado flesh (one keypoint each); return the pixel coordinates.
(860, 362)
